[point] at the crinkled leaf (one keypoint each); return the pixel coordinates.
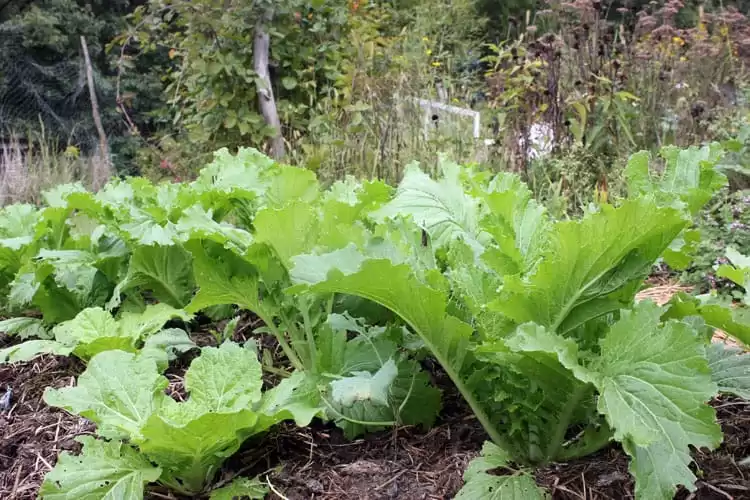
(224, 379)
(166, 271)
(191, 445)
(420, 305)
(144, 324)
(735, 321)
(481, 484)
(119, 391)
(30, 349)
(17, 225)
(654, 382)
(105, 470)
(240, 488)
(89, 325)
(223, 278)
(147, 231)
(730, 369)
(240, 174)
(173, 341)
(24, 328)
(441, 207)
(587, 263)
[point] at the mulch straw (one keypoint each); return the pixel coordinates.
(32, 434)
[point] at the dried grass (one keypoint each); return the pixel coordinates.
(27, 171)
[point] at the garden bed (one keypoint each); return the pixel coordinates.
(317, 462)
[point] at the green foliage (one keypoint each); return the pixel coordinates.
(188, 440)
(724, 224)
(532, 319)
(563, 333)
(94, 330)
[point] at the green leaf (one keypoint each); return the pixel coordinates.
(735, 321)
(222, 277)
(364, 386)
(311, 269)
(24, 328)
(740, 273)
(481, 484)
(190, 445)
(197, 223)
(290, 230)
(654, 382)
(354, 366)
(17, 225)
(296, 397)
(288, 82)
(239, 488)
(89, 325)
(441, 207)
(172, 341)
(224, 379)
(103, 471)
(190, 440)
(118, 391)
(146, 231)
(239, 175)
(292, 184)
(730, 369)
(588, 263)
(680, 253)
(690, 175)
(166, 271)
(30, 349)
(518, 224)
(142, 325)
(420, 305)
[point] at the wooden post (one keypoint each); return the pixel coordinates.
(266, 100)
(103, 147)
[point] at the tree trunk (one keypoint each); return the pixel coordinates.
(266, 100)
(100, 176)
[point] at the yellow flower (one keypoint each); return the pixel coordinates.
(683, 59)
(428, 52)
(437, 64)
(72, 152)
(425, 39)
(724, 30)
(679, 41)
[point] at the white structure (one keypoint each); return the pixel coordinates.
(434, 107)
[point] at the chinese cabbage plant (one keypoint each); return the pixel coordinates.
(145, 436)
(534, 320)
(95, 330)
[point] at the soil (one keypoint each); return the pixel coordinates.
(317, 462)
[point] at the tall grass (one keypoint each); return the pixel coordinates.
(29, 167)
